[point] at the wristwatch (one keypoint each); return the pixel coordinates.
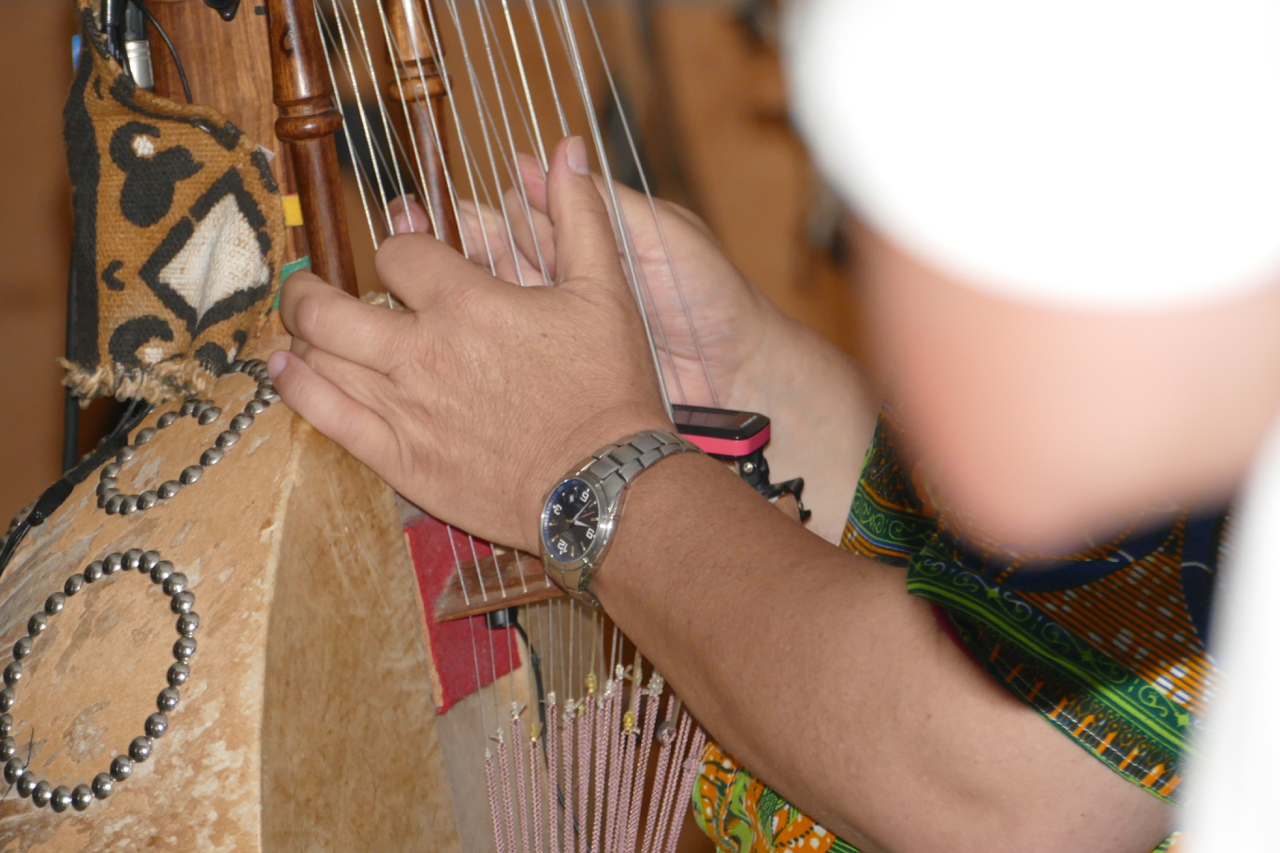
(580, 514)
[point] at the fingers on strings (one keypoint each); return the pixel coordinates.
(330, 409)
(421, 272)
(518, 241)
(335, 322)
(585, 245)
(491, 239)
(514, 242)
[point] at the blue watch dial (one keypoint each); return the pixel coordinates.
(570, 521)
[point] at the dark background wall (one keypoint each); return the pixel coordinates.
(35, 73)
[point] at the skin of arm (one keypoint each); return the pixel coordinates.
(819, 672)
(823, 414)
(812, 666)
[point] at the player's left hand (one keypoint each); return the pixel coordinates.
(477, 398)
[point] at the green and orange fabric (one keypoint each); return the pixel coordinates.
(1108, 643)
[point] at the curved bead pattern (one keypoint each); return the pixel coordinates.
(140, 748)
(167, 700)
(178, 674)
(184, 649)
(188, 623)
(204, 412)
(102, 785)
(121, 767)
(156, 725)
(161, 571)
(182, 600)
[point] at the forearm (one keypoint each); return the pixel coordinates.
(819, 672)
(823, 411)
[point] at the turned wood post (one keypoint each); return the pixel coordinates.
(308, 119)
(420, 87)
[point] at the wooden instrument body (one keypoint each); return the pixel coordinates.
(308, 721)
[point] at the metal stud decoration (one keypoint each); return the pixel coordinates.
(161, 573)
(181, 602)
(205, 413)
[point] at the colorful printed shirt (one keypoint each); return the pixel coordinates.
(1108, 644)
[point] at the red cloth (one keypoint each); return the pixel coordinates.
(462, 648)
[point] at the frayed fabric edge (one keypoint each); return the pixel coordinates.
(156, 384)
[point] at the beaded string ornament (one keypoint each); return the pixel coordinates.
(205, 413)
(161, 572)
(181, 601)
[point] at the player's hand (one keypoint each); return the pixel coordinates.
(688, 282)
(477, 398)
(756, 358)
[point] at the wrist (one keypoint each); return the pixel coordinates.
(790, 371)
(580, 515)
(565, 452)
(823, 412)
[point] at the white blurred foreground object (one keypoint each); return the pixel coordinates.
(1100, 154)
(1232, 780)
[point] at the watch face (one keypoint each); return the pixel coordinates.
(570, 521)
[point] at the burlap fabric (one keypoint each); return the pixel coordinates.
(178, 237)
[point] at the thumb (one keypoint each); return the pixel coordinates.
(586, 249)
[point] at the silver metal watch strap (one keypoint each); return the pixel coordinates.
(618, 464)
(614, 467)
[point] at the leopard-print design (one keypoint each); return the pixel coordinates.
(178, 237)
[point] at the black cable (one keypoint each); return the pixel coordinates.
(55, 495)
(112, 23)
(512, 620)
(536, 663)
(182, 74)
